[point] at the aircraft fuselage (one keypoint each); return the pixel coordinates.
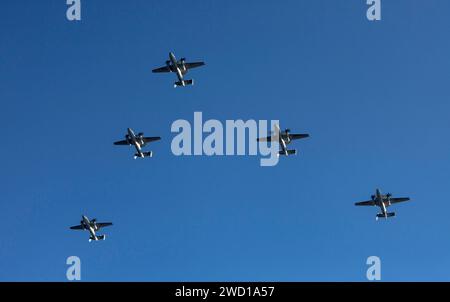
(90, 227)
(382, 201)
(134, 141)
(178, 69)
(284, 140)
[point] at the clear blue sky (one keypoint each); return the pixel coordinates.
(373, 96)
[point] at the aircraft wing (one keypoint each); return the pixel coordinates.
(273, 138)
(151, 139)
(77, 227)
(365, 203)
(299, 136)
(267, 139)
(194, 65)
(103, 224)
(121, 143)
(397, 200)
(162, 69)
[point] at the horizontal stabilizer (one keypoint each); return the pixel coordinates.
(148, 154)
(97, 238)
(144, 154)
(387, 215)
(288, 152)
(184, 83)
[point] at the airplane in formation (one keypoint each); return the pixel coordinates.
(180, 67)
(92, 226)
(138, 141)
(284, 138)
(382, 201)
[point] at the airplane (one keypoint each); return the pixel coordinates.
(284, 138)
(382, 201)
(180, 67)
(92, 226)
(138, 141)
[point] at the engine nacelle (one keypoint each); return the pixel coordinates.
(127, 139)
(182, 63)
(287, 136)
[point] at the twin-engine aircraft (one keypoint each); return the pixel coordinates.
(92, 226)
(181, 67)
(284, 138)
(382, 201)
(138, 141)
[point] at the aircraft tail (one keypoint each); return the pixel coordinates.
(148, 154)
(387, 215)
(288, 152)
(184, 83)
(97, 238)
(145, 154)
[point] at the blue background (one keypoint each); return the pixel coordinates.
(373, 96)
